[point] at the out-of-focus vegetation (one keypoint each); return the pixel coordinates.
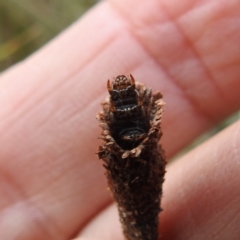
(25, 25)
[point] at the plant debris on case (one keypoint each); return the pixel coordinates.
(133, 159)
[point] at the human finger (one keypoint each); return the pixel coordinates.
(200, 198)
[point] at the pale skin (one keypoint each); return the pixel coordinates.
(52, 186)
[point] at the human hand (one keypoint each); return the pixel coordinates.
(53, 186)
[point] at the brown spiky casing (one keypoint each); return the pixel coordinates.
(133, 159)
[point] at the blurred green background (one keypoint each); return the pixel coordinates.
(26, 25)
